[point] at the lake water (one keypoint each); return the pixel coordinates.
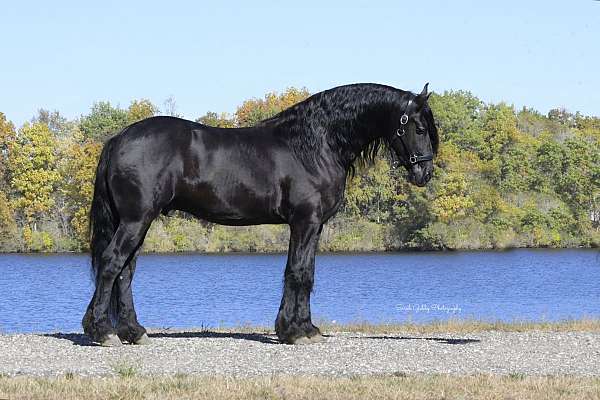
(43, 293)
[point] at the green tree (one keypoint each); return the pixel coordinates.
(217, 120)
(32, 170)
(7, 135)
(140, 109)
(585, 122)
(78, 172)
(8, 226)
(255, 110)
(452, 198)
(580, 177)
(517, 168)
(59, 125)
(457, 113)
(563, 117)
(531, 122)
(371, 193)
(499, 129)
(550, 157)
(103, 121)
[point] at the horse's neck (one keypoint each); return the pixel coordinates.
(338, 126)
(355, 136)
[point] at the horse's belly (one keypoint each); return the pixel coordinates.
(229, 204)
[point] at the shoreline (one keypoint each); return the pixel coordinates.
(348, 252)
(451, 325)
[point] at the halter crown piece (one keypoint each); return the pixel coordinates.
(400, 133)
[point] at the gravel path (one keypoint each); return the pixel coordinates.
(237, 354)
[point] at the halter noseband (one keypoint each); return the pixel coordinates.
(399, 135)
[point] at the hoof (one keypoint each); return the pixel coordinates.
(143, 340)
(301, 340)
(318, 338)
(111, 340)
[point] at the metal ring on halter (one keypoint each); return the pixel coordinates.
(403, 119)
(413, 159)
(400, 132)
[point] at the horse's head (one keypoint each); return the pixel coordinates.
(415, 139)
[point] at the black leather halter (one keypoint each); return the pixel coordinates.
(413, 158)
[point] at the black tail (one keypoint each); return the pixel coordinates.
(103, 221)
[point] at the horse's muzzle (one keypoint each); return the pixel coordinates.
(420, 173)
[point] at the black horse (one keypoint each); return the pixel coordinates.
(288, 169)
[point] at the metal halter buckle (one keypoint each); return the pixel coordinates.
(413, 159)
(403, 119)
(400, 132)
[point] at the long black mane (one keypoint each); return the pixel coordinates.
(347, 118)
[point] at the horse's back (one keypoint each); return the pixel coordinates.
(230, 176)
(233, 176)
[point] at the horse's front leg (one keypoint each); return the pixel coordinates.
(293, 324)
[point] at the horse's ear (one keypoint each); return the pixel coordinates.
(423, 96)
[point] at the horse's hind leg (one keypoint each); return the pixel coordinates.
(124, 243)
(128, 327)
(294, 324)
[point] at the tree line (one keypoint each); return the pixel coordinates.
(504, 178)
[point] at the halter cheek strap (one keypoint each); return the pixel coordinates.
(413, 158)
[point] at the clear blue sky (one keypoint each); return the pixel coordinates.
(65, 55)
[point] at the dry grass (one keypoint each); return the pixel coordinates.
(308, 387)
(469, 326)
(446, 326)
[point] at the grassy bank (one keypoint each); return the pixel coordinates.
(513, 386)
